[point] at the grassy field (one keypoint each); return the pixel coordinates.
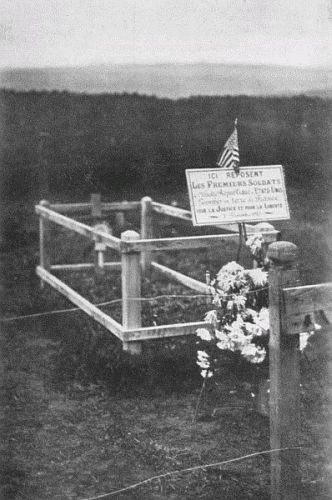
(81, 418)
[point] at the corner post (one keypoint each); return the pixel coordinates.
(284, 378)
(131, 289)
(44, 241)
(146, 232)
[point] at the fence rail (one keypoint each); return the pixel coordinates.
(72, 208)
(104, 319)
(306, 305)
(187, 281)
(78, 227)
(180, 213)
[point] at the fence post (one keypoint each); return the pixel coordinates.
(95, 207)
(284, 378)
(44, 241)
(131, 289)
(146, 232)
(120, 220)
(96, 215)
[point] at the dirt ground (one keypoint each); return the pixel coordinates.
(73, 428)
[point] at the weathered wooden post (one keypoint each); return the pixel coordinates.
(146, 232)
(99, 249)
(120, 220)
(284, 378)
(131, 289)
(44, 241)
(95, 201)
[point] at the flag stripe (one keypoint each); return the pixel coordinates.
(230, 155)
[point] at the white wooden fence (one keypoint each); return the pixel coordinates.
(136, 260)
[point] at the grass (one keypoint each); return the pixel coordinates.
(80, 417)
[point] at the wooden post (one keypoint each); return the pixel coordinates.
(96, 207)
(131, 289)
(146, 232)
(120, 220)
(44, 241)
(284, 378)
(96, 215)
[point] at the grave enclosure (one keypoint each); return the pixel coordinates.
(136, 252)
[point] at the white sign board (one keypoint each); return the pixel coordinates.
(221, 196)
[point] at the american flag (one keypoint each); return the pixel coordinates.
(229, 156)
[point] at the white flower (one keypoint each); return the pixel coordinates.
(236, 335)
(237, 324)
(258, 276)
(224, 342)
(239, 300)
(252, 329)
(230, 295)
(206, 373)
(255, 239)
(216, 301)
(204, 334)
(203, 360)
(202, 355)
(253, 353)
(304, 340)
(230, 275)
(250, 313)
(263, 319)
(255, 243)
(211, 317)
(231, 268)
(203, 364)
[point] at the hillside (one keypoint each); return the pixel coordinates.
(174, 80)
(102, 142)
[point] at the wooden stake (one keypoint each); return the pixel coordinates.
(284, 378)
(120, 220)
(44, 241)
(131, 289)
(96, 207)
(96, 215)
(146, 232)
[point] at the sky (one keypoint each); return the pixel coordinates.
(37, 33)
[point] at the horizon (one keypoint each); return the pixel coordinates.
(321, 66)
